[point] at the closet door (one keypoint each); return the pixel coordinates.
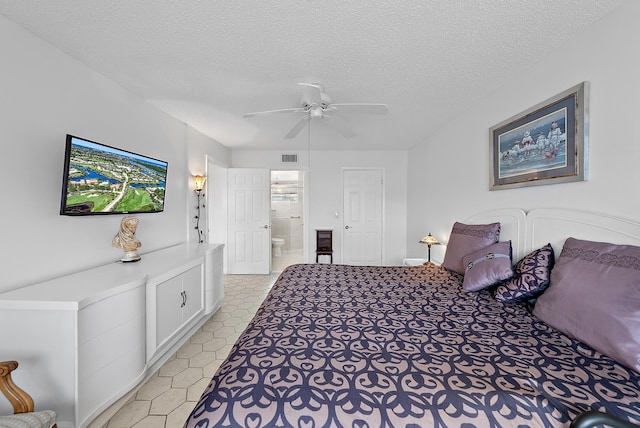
(362, 233)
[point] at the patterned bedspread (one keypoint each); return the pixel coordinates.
(347, 346)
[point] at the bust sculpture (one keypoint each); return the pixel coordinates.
(126, 240)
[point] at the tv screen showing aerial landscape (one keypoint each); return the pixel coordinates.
(100, 179)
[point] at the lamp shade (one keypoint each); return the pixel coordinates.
(429, 240)
(198, 182)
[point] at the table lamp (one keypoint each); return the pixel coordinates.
(429, 240)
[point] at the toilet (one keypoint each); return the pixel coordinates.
(277, 244)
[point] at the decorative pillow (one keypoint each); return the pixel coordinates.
(487, 267)
(530, 277)
(467, 238)
(594, 297)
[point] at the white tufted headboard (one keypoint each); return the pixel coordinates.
(512, 221)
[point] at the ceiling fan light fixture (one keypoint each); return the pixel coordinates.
(316, 103)
(316, 111)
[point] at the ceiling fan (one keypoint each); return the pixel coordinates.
(317, 104)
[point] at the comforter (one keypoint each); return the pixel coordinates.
(349, 346)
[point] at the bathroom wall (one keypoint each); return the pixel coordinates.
(287, 208)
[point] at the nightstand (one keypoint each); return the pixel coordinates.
(413, 262)
(324, 243)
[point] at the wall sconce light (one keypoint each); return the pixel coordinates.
(198, 184)
(429, 240)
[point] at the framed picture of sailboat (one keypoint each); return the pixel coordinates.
(546, 144)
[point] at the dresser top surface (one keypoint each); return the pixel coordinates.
(74, 291)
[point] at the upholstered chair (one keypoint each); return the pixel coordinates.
(593, 419)
(23, 408)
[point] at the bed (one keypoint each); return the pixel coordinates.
(414, 346)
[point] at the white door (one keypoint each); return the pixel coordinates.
(362, 233)
(249, 235)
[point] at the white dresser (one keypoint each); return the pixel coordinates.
(86, 339)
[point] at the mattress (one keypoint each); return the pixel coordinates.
(350, 346)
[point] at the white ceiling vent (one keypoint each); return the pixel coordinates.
(289, 159)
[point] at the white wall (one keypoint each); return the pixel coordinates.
(198, 144)
(456, 184)
(45, 95)
(325, 192)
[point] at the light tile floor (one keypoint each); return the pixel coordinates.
(287, 258)
(167, 398)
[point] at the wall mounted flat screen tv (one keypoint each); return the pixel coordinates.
(99, 179)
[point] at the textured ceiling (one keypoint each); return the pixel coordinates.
(207, 62)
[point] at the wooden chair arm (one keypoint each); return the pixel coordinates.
(19, 399)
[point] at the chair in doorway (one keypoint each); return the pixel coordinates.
(23, 408)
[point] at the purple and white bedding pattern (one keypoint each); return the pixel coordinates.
(349, 346)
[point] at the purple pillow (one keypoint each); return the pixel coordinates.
(530, 277)
(594, 297)
(467, 238)
(487, 267)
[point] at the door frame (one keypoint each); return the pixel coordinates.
(305, 210)
(216, 213)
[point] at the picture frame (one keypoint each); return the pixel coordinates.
(546, 144)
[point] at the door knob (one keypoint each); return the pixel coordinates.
(265, 227)
(347, 227)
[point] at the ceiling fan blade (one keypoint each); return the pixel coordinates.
(297, 127)
(343, 128)
(311, 93)
(284, 110)
(363, 108)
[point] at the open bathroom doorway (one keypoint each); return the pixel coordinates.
(287, 219)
